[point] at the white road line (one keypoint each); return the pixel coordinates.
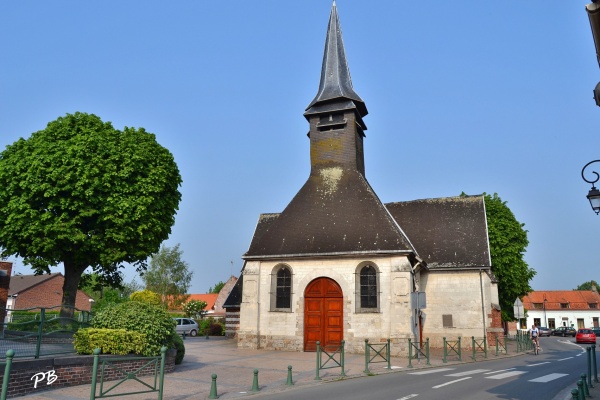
(506, 375)
(496, 372)
(431, 371)
(473, 372)
(542, 363)
(395, 367)
(410, 396)
(548, 378)
(451, 382)
(563, 359)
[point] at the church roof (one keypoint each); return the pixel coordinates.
(335, 213)
(448, 232)
(336, 83)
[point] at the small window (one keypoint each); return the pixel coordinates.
(593, 305)
(367, 288)
(538, 306)
(281, 288)
(447, 321)
(564, 305)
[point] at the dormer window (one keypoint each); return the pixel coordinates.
(593, 305)
(564, 305)
(538, 306)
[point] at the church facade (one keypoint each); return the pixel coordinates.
(338, 264)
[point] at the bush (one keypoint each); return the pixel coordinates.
(146, 296)
(180, 347)
(152, 321)
(211, 326)
(109, 341)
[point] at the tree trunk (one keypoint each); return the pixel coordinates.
(72, 276)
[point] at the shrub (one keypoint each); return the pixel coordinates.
(179, 346)
(109, 341)
(146, 296)
(211, 326)
(151, 320)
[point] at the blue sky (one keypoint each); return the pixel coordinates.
(463, 96)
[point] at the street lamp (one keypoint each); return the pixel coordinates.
(546, 319)
(594, 194)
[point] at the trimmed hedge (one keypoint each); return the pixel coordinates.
(110, 341)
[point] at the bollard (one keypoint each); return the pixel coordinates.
(388, 354)
(426, 351)
(10, 353)
(409, 353)
(213, 388)
(445, 352)
(206, 335)
(183, 335)
(586, 392)
(580, 389)
(459, 350)
(342, 357)
(589, 366)
(318, 378)
(289, 381)
(485, 347)
(367, 356)
(255, 382)
(594, 363)
(496, 345)
(574, 394)
(473, 347)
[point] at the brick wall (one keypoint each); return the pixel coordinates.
(49, 294)
(73, 371)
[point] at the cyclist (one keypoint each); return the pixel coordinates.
(535, 337)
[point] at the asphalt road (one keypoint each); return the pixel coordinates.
(542, 377)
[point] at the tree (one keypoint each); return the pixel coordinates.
(194, 309)
(508, 241)
(169, 276)
(85, 194)
(146, 296)
(217, 288)
(587, 285)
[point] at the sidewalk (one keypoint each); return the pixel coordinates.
(235, 371)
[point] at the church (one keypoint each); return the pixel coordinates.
(338, 264)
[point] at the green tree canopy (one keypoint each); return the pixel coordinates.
(508, 241)
(85, 194)
(217, 288)
(587, 285)
(169, 276)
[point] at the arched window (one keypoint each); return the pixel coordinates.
(281, 288)
(367, 288)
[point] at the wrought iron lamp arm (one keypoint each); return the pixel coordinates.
(593, 172)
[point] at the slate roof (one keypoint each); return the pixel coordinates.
(576, 299)
(20, 283)
(447, 232)
(335, 213)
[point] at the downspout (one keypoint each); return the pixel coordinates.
(482, 303)
(258, 309)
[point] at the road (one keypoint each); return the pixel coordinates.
(543, 376)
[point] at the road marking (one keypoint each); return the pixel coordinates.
(410, 396)
(506, 375)
(451, 382)
(548, 378)
(431, 371)
(542, 363)
(395, 367)
(563, 359)
(475, 371)
(495, 372)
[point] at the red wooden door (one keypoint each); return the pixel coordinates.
(323, 314)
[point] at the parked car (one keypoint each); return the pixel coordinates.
(544, 331)
(564, 331)
(596, 331)
(585, 335)
(187, 326)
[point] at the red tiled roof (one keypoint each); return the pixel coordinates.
(209, 298)
(577, 299)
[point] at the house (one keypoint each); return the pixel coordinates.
(41, 291)
(208, 298)
(215, 301)
(554, 308)
(338, 264)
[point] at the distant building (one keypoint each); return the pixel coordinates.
(215, 301)
(554, 308)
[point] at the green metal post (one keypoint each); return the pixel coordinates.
(473, 346)
(289, 381)
(589, 366)
(580, 390)
(505, 344)
(206, 335)
(459, 350)
(163, 356)
(388, 354)
(255, 381)
(496, 345)
(427, 350)
(409, 353)
(366, 371)
(485, 347)
(10, 353)
(574, 394)
(342, 358)
(444, 360)
(586, 392)
(594, 363)
(318, 378)
(94, 374)
(38, 345)
(213, 388)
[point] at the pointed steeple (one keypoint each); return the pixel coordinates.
(335, 85)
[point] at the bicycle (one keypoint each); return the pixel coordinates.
(536, 345)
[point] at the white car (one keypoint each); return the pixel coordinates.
(187, 326)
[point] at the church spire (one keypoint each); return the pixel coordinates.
(335, 85)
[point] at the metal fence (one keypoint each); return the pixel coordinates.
(36, 332)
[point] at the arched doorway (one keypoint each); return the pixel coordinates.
(323, 314)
